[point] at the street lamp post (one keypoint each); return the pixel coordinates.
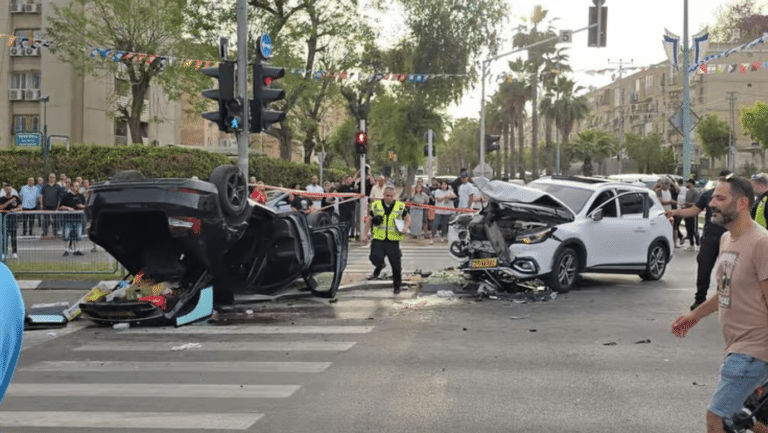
(44, 144)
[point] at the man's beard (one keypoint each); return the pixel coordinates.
(725, 217)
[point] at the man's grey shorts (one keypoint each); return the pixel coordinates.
(739, 376)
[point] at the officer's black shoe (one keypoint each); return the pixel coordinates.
(396, 291)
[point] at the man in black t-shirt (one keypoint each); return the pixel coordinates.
(710, 241)
(10, 202)
(347, 205)
(73, 202)
(49, 201)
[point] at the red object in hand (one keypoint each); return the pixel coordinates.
(157, 301)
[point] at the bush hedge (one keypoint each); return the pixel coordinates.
(99, 163)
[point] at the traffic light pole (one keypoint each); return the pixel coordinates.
(363, 178)
(242, 84)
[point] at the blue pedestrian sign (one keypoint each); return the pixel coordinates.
(235, 123)
(265, 46)
(28, 139)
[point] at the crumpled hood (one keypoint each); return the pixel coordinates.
(516, 196)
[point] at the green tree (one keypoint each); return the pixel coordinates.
(130, 26)
(536, 58)
(742, 15)
(715, 135)
(460, 148)
(567, 107)
(591, 145)
(754, 120)
(646, 152)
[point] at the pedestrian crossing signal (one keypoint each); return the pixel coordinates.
(361, 142)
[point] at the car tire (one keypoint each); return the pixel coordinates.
(657, 262)
(232, 188)
(565, 271)
(319, 219)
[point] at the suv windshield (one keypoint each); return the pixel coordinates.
(574, 198)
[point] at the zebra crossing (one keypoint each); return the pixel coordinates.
(415, 257)
(199, 377)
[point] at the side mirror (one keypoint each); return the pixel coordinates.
(597, 215)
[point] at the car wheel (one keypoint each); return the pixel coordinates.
(319, 219)
(565, 270)
(657, 262)
(233, 191)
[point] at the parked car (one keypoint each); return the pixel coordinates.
(195, 239)
(648, 179)
(555, 228)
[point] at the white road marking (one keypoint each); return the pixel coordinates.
(219, 366)
(148, 390)
(130, 420)
(253, 330)
(263, 346)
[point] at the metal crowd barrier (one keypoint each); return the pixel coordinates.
(51, 242)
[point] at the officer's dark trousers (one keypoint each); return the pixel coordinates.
(710, 248)
(390, 250)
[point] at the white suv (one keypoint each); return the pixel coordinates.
(557, 227)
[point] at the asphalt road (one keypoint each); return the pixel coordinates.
(599, 359)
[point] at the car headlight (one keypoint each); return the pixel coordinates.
(535, 237)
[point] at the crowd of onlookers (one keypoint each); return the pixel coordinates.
(426, 223)
(64, 195)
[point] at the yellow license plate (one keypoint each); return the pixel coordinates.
(483, 263)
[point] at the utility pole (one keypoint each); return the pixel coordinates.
(621, 64)
(731, 98)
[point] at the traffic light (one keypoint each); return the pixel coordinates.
(234, 117)
(261, 116)
(491, 143)
(592, 39)
(361, 143)
(225, 74)
(426, 150)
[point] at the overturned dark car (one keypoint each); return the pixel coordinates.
(192, 244)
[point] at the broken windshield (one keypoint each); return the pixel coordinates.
(574, 198)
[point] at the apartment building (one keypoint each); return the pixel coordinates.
(643, 102)
(38, 89)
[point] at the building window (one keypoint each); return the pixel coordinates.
(26, 124)
(25, 81)
(121, 132)
(35, 34)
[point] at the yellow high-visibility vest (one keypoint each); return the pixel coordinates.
(760, 214)
(387, 229)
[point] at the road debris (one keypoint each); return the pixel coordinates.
(445, 294)
(121, 326)
(521, 317)
(643, 341)
(612, 343)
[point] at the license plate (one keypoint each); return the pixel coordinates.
(483, 263)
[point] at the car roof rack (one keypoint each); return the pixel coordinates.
(582, 179)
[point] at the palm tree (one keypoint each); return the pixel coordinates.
(518, 92)
(536, 61)
(547, 110)
(592, 145)
(554, 65)
(568, 108)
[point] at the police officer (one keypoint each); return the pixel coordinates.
(390, 220)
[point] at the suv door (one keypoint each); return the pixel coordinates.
(605, 237)
(633, 207)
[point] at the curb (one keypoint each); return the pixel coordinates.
(61, 284)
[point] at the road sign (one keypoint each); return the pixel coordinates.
(427, 134)
(265, 46)
(28, 139)
(676, 120)
(598, 2)
(565, 36)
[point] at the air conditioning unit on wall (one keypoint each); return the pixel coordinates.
(32, 8)
(16, 51)
(16, 7)
(15, 95)
(31, 51)
(31, 95)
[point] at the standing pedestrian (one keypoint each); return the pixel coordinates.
(10, 204)
(466, 192)
(11, 326)
(49, 201)
(258, 195)
(759, 209)
(431, 212)
(710, 241)
(30, 198)
(443, 198)
(73, 202)
(742, 288)
(377, 191)
(347, 205)
(691, 223)
(417, 213)
(390, 221)
(315, 187)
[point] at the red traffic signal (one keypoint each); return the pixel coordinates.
(361, 142)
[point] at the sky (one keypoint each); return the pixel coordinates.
(635, 30)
